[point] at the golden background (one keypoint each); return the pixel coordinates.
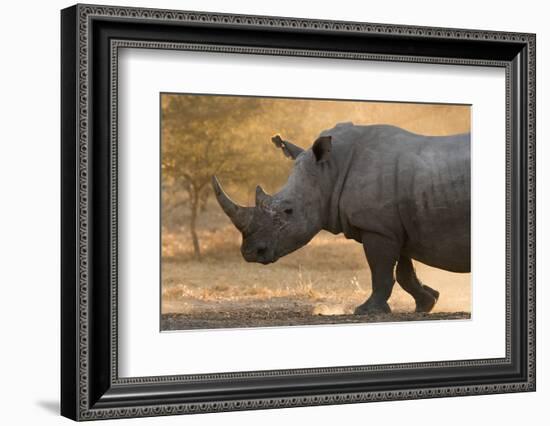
(203, 272)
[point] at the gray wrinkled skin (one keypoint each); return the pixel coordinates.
(403, 196)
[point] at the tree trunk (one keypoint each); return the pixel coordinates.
(194, 198)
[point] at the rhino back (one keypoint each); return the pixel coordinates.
(413, 188)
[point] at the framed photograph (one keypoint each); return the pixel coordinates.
(263, 212)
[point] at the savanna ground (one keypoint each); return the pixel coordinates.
(321, 283)
(205, 281)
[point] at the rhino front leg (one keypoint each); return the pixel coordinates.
(382, 253)
(424, 296)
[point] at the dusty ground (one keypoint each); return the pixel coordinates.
(321, 283)
(283, 312)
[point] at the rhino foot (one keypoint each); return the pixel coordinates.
(370, 307)
(427, 300)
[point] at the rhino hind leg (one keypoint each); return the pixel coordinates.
(424, 296)
(382, 254)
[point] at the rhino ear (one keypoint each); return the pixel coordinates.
(322, 147)
(289, 149)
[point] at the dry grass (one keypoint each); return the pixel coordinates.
(330, 276)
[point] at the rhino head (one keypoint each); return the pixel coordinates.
(282, 223)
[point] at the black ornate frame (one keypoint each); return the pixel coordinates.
(91, 37)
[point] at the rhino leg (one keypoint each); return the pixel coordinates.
(382, 253)
(424, 296)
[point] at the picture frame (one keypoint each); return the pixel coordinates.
(91, 37)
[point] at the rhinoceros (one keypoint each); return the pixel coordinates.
(402, 195)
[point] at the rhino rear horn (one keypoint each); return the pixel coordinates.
(239, 215)
(289, 149)
(261, 197)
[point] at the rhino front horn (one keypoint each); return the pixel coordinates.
(239, 215)
(261, 197)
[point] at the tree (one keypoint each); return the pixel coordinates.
(200, 138)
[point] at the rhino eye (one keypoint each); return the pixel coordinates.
(288, 211)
